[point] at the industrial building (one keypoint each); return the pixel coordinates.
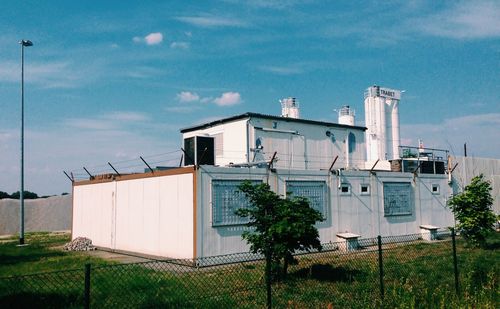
(360, 178)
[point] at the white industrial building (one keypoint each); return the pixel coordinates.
(362, 188)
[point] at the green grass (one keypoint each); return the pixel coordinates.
(43, 253)
(416, 276)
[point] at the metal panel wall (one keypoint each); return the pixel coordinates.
(152, 216)
(354, 211)
(92, 212)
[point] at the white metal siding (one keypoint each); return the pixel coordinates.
(151, 215)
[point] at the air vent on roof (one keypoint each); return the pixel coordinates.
(199, 150)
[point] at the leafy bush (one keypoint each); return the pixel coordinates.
(473, 210)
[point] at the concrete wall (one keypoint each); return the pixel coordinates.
(40, 215)
(354, 212)
(468, 167)
(152, 215)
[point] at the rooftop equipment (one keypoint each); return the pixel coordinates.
(346, 115)
(290, 108)
(199, 150)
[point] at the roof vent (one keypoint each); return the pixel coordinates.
(289, 108)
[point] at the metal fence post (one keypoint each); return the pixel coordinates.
(86, 298)
(380, 267)
(455, 263)
(268, 280)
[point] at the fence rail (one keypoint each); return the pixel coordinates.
(380, 272)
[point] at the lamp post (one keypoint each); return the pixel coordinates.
(24, 43)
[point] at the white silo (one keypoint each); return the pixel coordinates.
(289, 108)
(346, 115)
(382, 123)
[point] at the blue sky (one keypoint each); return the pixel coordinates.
(109, 81)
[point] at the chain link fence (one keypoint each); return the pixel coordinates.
(377, 272)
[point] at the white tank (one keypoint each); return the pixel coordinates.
(346, 115)
(290, 108)
(382, 123)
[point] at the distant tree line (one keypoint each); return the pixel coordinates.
(28, 195)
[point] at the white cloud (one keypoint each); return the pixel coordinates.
(187, 96)
(179, 45)
(228, 99)
(465, 20)
(154, 38)
(212, 21)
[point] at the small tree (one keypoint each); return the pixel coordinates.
(472, 208)
(281, 226)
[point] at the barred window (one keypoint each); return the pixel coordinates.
(314, 191)
(397, 198)
(226, 199)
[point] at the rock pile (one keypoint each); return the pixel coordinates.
(79, 244)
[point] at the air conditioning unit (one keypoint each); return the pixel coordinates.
(199, 150)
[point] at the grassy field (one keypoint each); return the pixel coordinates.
(44, 253)
(417, 275)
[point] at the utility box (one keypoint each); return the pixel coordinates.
(199, 150)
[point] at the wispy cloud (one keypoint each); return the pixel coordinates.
(144, 72)
(210, 21)
(228, 99)
(111, 121)
(281, 70)
(179, 45)
(465, 20)
(127, 116)
(154, 38)
(58, 74)
(476, 130)
(182, 109)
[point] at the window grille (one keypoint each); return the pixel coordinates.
(397, 199)
(314, 191)
(226, 199)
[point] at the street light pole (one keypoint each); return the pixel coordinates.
(24, 43)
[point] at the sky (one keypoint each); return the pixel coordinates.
(109, 81)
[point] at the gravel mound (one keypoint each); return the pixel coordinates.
(79, 244)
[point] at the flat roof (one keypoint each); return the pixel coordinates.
(271, 117)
